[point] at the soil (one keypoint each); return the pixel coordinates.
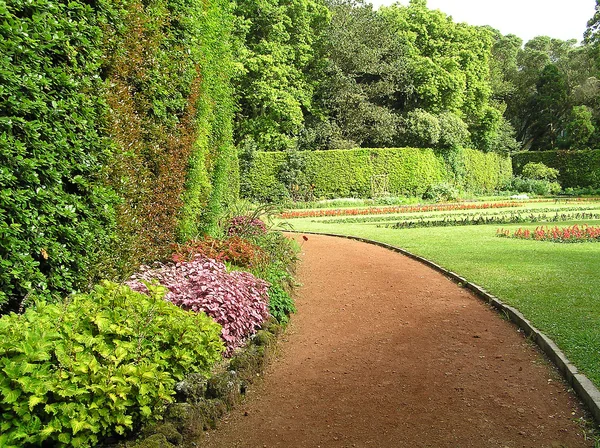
(385, 352)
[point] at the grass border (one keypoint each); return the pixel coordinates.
(581, 384)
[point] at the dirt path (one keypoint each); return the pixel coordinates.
(385, 352)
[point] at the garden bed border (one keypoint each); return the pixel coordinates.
(581, 384)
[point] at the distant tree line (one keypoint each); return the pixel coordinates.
(332, 74)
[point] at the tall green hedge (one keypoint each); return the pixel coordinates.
(576, 168)
(345, 173)
(168, 64)
(115, 136)
(55, 214)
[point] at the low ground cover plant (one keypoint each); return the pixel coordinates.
(95, 364)
(237, 300)
(572, 234)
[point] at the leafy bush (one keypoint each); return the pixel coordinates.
(420, 129)
(539, 187)
(235, 250)
(539, 171)
(454, 132)
(281, 251)
(237, 300)
(281, 304)
(96, 364)
(245, 225)
(441, 192)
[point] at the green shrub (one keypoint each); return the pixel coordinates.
(577, 169)
(281, 304)
(535, 186)
(420, 129)
(539, 171)
(96, 364)
(354, 173)
(441, 192)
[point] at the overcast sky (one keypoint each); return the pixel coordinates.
(562, 19)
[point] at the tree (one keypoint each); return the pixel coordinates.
(278, 54)
(579, 128)
(365, 74)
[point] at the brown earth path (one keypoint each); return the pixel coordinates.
(385, 352)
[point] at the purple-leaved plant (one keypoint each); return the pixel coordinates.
(236, 300)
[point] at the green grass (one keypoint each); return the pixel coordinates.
(556, 286)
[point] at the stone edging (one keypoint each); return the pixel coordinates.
(583, 387)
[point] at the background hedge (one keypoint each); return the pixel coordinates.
(114, 114)
(485, 172)
(349, 173)
(576, 168)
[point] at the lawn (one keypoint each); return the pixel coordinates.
(556, 286)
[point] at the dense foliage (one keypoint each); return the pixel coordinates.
(237, 300)
(98, 363)
(168, 65)
(369, 172)
(278, 54)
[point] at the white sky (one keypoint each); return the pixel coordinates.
(562, 19)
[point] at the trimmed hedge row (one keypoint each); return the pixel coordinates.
(576, 168)
(352, 173)
(55, 214)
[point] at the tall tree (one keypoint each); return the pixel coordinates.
(278, 44)
(365, 74)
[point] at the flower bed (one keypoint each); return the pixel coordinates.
(396, 209)
(474, 220)
(573, 234)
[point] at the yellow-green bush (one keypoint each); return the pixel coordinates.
(75, 372)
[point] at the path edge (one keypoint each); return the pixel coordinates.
(581, 384)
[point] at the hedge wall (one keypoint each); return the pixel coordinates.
(576, 168)
(349, 173)
(114, 114)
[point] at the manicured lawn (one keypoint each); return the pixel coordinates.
(556, 286)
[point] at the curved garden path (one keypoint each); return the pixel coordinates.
(385, 352)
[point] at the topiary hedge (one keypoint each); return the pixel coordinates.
(576, 168)
(356, 172)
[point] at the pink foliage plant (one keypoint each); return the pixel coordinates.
(238, 301)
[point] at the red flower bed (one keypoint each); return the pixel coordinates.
(572, 234)
(395, 209)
